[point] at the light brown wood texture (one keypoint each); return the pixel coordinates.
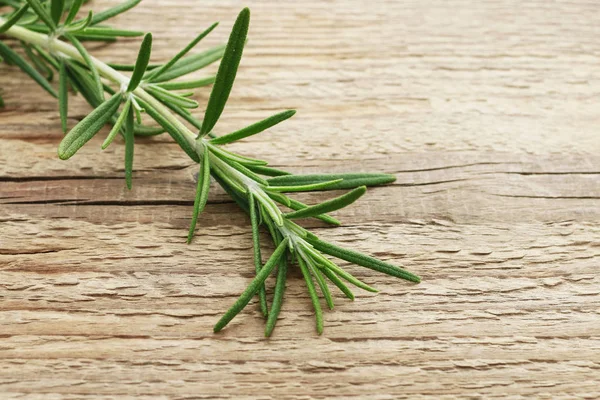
(487, 112)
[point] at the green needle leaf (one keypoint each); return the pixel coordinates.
(142, 63)
(296, 205)
(192, 63)
(322, 260)
(158, 72)
(14, 18)
(304, 188)
(268, 222)
(270, 207)
(137, 110)
(143, 130)
(100, 33)
(75, 6)
(118, 124)
(171, 129)
(231, 185)
(63, 96)
(129, 141)
(111, 12)
(277, 296)
(243, 170)
(47, 57)
(39, 62)
(201, 192)
(246, 161)
(41, 12)
(338, 282)
(129, 67)
(240, 201)
(267, 171)
(83, 83)
(313, 295)
(56, 10)
(88, 127)
(363, 260)
(254, 128)
(227, 71)
(88, 61)
(183, 113)
(14, 58)
(167, 97)
(262, 296)
(321, 282)
(80, 26)
(329, 205)
(349, 181)
(280, 198)
(187, 84)
(253, 287)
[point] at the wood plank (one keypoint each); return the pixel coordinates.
(486, 112)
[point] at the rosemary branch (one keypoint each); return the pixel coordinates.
(256, 187)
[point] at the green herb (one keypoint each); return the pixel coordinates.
(155, 74)
(253, 287)
(42, 13)
(328, 206)
(128, 146)
(141, 64)
(73, 11)
(201, 192)
(12, 57)
(56, 10)
(88, 127)
(151, 90)
(314, 298)
(118, 124)
(254, 128)
(63, 96)
(227, 72)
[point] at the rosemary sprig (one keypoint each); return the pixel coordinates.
(152, 104)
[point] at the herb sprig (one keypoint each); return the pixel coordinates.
(150, 101)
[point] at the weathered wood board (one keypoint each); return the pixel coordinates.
(487, 112)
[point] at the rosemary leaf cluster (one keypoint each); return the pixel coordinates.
(143, 99)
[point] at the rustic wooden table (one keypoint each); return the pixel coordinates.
(487, 112)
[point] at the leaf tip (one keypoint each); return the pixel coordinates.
(389, 178)
(62, 152)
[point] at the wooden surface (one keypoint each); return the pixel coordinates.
(487, 112)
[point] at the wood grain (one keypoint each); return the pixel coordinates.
(487, 112)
